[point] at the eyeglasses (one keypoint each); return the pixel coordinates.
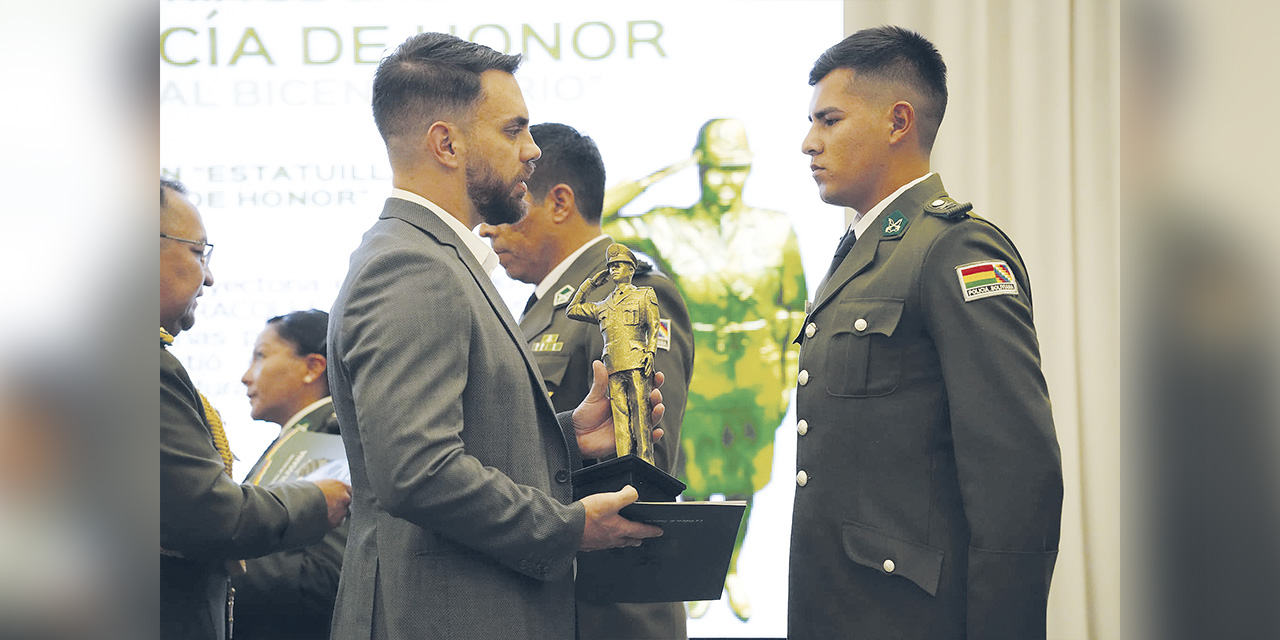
(206, 248)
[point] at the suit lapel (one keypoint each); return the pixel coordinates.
(428, 222)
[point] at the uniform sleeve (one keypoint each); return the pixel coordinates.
(676, 365)
(584, 312)
(1001, 422)
(206, 515)
(408, 358)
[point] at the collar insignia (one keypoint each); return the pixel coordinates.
(895, 224)
(563, 295)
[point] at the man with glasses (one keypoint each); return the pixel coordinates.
(208, 523)
(203, 249)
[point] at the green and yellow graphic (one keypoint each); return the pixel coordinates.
(739, 271)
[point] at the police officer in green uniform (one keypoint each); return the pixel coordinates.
(739, 270)
(929, 482)
(556, 246)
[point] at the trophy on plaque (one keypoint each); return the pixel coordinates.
(690, 560)
(628, 319)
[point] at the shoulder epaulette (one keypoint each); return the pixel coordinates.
(947, 207)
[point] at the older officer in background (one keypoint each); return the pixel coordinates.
(208, 522)
(929, 482)
(557, 246)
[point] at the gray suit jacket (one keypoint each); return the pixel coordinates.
(564, 349)
(461, 519)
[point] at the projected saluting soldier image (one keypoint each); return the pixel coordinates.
(738, 269)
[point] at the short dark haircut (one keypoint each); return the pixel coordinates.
(570, 158)
(305, 330)
(171, 185)
(429, 77)
(897, 55)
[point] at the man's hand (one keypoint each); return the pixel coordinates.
(593, 419)
(600, 278)
(605, 529)
(646, 365)
(337, 495)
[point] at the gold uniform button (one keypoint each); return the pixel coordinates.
(802, 427)
(803, 378)
(810, 330)
(889, 566)
(860, 324)
(802, 478)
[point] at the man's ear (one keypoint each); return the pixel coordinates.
(902, 117)
(444, 144)
(563, 202)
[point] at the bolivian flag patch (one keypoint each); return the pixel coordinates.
(980, 280)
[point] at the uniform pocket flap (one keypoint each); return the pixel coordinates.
(865, 316)
(552, 368)
(873, 548)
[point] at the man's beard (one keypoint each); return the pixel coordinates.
(495, 201)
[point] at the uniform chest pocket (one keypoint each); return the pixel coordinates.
(552, 366)
(864, 360)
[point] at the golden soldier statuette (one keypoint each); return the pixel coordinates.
(628, 319)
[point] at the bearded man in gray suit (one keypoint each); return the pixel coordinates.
(462, 519)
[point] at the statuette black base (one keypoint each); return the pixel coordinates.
(653, 484)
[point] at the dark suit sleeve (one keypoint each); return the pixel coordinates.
(407, 338)
(1006, 450)
(203, 513)
(676, 365)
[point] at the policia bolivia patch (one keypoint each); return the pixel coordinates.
(980, 280)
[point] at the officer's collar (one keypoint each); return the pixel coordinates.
(863, 223)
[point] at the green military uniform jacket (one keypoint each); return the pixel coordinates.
(564, 349)
(290, 594)
(929, 482)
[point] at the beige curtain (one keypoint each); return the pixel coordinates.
(1029, 138)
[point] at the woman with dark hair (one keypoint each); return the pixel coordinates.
(291, 594)
(286, 380)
